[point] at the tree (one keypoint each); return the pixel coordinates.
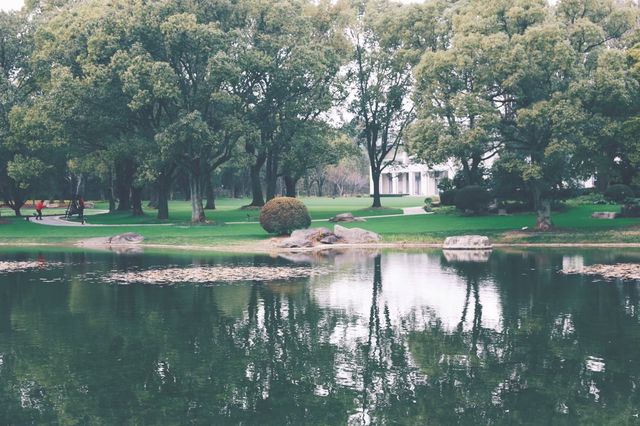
(318, 145)
(380, 78)
(534, 75)
(18, 168)
(289, 55)
(458, 105)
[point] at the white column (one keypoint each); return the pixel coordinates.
(412, 183)
(394, 185)
(423, 184)
(370, 182)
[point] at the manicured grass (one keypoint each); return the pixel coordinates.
(574, 225)
(229, 210)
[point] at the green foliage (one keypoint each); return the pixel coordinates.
(448, 197)
(618, 193)
(473, 198)
(282, 215)
(630, 208)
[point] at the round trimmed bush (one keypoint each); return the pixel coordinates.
(282, 215)
(472, 198)
(618, 193)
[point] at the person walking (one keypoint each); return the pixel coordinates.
(39, 207)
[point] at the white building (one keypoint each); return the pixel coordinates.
(406, 177)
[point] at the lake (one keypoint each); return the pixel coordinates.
(390, 337)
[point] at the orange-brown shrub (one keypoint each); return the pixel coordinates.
(284, 214)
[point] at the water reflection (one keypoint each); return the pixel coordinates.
(388, 337)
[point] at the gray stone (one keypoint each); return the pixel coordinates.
(604, 215)
(467, 242)
(329, 239)
(126, 238)
(304, 238)
(346, 217)
(355, 235)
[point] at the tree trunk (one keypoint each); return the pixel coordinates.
(163, 199)
(375, 175)
(256, 185)
(211, 196)
(543, 211)
(272, 177)
(290, 185)
(320, 184)
(112, 191)
(195, 189)
(124, 180)
(136, 201)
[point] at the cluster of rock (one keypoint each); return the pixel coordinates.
(622, 271)
(347, 217)
(467, 242)
(213, 274)
(303, 238)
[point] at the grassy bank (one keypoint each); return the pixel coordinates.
(574, 225)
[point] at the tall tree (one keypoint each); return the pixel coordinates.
(458, 105)
(19, 168)
(380, 77)
(289, 55)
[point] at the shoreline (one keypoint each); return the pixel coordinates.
(267, 247)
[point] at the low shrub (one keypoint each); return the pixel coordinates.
(631, 208)
(618, 193)
(472, 198)
(428, 204)
(448, 197)
(284, 214)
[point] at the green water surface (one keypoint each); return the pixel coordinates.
(383, 338)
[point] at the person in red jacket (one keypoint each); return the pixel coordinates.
(39, 207)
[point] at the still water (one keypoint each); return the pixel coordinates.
(383, 338)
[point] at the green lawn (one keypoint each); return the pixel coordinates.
(574, 225)
(229, 210)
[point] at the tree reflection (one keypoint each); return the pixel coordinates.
(565, 349)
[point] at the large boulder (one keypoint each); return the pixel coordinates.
(346, 217)
(467, 242)
(126, 238)
(355, 235)
(604, 215)
(305, 238)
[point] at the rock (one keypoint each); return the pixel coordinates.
(304, 238)
(329, 239)
(355, 235)
(346, 217)
(467, 242)
(604, 215)
(126, 238)
(623, 271)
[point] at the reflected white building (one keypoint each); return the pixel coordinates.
(408, 177)
(415, 287)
